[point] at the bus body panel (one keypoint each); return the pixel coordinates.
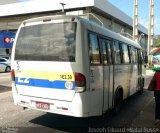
(111, 86)
(96, 90)
(108, 87)
(45, 83)
(54, 82)
(73, 108)
(77, 104)
(133, 80)
(121, 80)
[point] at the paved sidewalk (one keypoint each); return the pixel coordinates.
(144, 122)
(148, 77)
(146, 116)
(148, 72)
(4, 88)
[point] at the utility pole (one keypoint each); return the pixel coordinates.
(151, 27)
(135, 21)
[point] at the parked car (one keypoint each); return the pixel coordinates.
(5, 65)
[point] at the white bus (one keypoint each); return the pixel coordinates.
(70, 66)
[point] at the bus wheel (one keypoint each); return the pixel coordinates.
(117, 102)
(8, 69)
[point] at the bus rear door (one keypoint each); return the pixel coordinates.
(107, 74)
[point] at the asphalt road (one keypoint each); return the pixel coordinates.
(5, 78)
(5, 82)
(14, 118)
(37, 121)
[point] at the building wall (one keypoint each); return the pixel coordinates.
(11, 23)
(114, 25)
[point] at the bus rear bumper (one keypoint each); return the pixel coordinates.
(54, 106)
(74, 108)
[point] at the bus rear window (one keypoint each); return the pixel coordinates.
(47, 42)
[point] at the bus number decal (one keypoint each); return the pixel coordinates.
(69, 85)
(66, 76)
(22, 79)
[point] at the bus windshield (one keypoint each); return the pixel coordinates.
(47, 42)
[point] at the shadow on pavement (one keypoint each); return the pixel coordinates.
(4, 88)
(124, 119)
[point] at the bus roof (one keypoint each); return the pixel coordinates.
(108, 33)
(95, 27)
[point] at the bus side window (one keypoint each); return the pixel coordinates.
(130, 54)
(125, 54)
(136, 55)
(94, 49)
(117, 56)
(106, 52)
(142, 57)
(133, 54)
(109, 51)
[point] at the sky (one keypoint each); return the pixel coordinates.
(143, 11)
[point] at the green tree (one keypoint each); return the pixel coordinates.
(156, 41)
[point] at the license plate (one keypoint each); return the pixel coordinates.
(41, 105)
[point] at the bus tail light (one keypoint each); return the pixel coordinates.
(13, 75)
(80, 82)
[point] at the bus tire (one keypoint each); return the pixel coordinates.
(8, 69)
(117, 102)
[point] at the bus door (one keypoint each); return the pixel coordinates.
(96, 76)
(107, 74)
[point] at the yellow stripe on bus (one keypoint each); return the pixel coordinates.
(64, 76)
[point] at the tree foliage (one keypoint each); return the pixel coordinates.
(156, 41)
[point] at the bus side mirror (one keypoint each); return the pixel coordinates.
(146, 59)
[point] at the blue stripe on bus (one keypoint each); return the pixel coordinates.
(56, 84)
